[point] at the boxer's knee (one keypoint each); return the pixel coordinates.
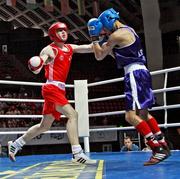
(46, 122)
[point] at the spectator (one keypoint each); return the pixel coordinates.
(128, 145)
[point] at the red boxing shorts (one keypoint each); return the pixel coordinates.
(53, 96)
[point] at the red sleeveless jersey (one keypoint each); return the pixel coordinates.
(58, 69)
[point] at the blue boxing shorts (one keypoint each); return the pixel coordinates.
(138, 89)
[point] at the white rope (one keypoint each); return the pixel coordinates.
(22, 132)
(107, 113)
(121, 79)
(19, 116)
(25, 83)
(123, 112)
(26, 100)
(106, 98)
(91, 130)
(22, 100)
(173, 106)
(95, 114)
(105, 82)
(122, 96)
(130, 127)
(90, 100)
(167, 89)
(165, 70)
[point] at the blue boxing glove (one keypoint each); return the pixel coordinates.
(94, 28)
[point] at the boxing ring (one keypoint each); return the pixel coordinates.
(110, 165)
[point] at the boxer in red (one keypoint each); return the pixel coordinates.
(56, 60)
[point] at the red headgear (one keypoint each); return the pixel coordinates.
(52, 31)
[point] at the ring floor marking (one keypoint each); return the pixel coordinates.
(59, 169)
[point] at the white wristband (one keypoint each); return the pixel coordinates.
(95, 42)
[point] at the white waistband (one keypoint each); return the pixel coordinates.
(59, 84)
(134, 66)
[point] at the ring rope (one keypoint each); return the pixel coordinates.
(158, 72)
(122, 96)
(165, 107)
(90, 84)
(122, 112)
(92, 130)
(25, 83)
(90, 100)
(23, 116)
(95, 114)
(27, 100)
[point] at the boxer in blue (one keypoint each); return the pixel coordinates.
(124, 45)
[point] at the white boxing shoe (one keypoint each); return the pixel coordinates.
(12, 151)
(82, 158)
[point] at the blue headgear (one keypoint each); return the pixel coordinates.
(108, 17)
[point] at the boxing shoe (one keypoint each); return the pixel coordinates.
(166, 147)
(12, 151)
(159, 154)
(82, 158)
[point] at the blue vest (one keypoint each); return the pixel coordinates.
(129, 54)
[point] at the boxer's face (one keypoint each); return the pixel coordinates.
(63, 35)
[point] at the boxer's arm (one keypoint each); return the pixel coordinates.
(87, 48)
(47, 54)
(116, 38)
(105, 49)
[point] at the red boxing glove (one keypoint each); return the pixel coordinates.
(35, 64)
